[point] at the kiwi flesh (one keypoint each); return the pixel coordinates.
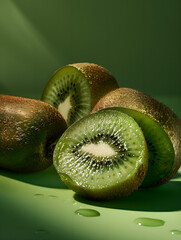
(157, 111)
(29, 130)
(160, 149)
(75, 88)
(102, 156)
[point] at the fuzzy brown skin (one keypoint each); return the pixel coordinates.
(133, 99)
(100, 80)
(28, 130)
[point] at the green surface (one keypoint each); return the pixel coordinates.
(39, 206)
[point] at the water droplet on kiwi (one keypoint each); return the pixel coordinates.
(175, 232)
(38, 195)
(149, 222)
(87, 212)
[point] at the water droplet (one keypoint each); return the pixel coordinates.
(175, 232)
(38, 195)
(87, 212)
(149, 222)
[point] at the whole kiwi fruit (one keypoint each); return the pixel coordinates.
(29, 130)
(74, 89)
(136, 100)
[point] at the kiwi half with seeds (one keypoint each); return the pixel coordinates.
(102, 156)
(75, 89)
(170, 156)
(160, 148)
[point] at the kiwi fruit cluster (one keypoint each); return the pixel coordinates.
(160, 125)
(105, 154)
(105, 141)
(29, 129)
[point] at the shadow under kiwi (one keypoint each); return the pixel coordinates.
(165, 198)
(177, 175)
(46, 178)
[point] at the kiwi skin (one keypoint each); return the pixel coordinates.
(28, 131)
(100, 80)
(163, 115)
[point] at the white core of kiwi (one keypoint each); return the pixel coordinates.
(64, 107)
(101, 149)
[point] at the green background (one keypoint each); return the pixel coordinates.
(139, 42)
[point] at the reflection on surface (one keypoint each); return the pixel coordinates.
(165, 198)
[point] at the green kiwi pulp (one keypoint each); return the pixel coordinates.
(75, 89)
(69, 92)
(160, 148)
(102, 156)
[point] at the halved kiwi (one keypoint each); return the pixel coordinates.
(75, 89)
(102, 156)
(29, 130)
(167, 145)
(160, 148)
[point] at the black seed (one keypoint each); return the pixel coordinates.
(87, 157)
(98, 135)
(93, 162)
(79, 144)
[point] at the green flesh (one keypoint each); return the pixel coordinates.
(160, 149)
(88, 171)
(69, 83)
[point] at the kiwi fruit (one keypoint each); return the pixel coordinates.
(160, 148)
(164, 148)
(102, 156)
(29, 130)
(75, 88)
